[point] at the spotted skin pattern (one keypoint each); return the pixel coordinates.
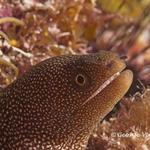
(45, 110)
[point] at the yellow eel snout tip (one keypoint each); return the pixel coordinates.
(127, 77)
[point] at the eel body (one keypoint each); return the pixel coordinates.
(57, 103)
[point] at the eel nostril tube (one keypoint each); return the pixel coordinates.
(124, 57)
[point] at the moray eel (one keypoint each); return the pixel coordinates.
(58, 102)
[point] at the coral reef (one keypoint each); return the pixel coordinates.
(33, 30)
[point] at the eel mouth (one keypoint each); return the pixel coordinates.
(108, 82)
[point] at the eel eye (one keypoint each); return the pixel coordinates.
(80, 79)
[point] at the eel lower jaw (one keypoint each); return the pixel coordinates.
(108, 82)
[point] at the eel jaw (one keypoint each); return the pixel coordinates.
(105, 84)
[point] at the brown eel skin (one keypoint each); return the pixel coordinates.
(57, 103)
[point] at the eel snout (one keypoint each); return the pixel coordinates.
(120, 77)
